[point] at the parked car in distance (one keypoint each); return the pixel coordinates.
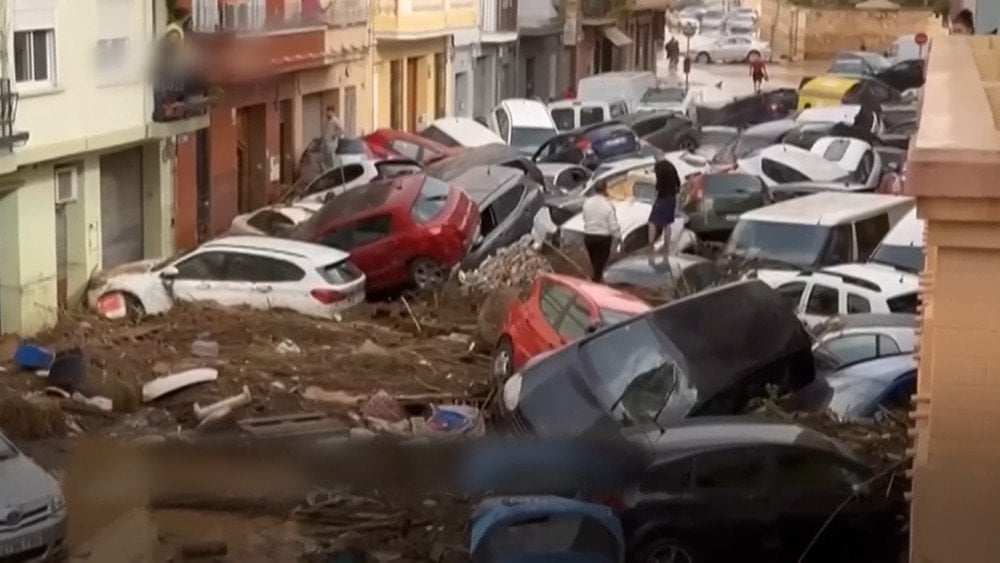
(562, 178)
(273, 220)
(340, 179)
(591, 146)
(665, 130)
(865, 336)
(392, 144)
(766, 486)
(35, 527)
(574, 114)
(460, 132)
(903, 245)
(522, 124)
(854, 156)
(749, 141)
(691, 357)
(253, 271)
(554, 311)
(731, 49)
(900, 75)
(507, 200)
(674, 98)
(665, 277)
(781, 164)
(713, 202)
(409, 230)
(629, 85)
(313, 162)
(750, 110)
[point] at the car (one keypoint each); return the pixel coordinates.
(732, 48)
(315, 160)
(592, 145)
(507, 200)
(854, 156)
(522, 124)
(832, 90)
(713, 202)
(628, 85)
(35, 526)
(460, 132)
(858, 62)
(562, 178)
(403, 231)
(254, 271)
(783, 192)
(781, 164)
(806, 133)
(756, 489)
(813, 231)
(844, 113)
(861, 337)
(750, 110)
(675, 98)
(665, 130)
(554, 311)
(700, 355)
(749, 141)
(391, 144)
(447, 169)
(899, 75)
(864, 390)
(848, 289)
(903, 246)
(633, 218)
(340, 179)
(665, 277)
(574, 114)
(273, 220)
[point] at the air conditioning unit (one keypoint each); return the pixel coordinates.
(66, 185)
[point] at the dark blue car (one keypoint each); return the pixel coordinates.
(593, 145)
(864, 389)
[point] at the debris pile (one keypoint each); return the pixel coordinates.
(515, 266)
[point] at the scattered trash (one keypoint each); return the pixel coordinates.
(67, 370)
(286, 346)
(222, 408)
(101, 403)
(457, 420)
(382, 406)
(167, 384)
(314, 393)
(29, 357)
(204, 348)
(370, 348)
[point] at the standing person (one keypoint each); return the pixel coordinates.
(661, 216)
(333, 130)
(758, 70)
(962, 23)
(600, 229)
(673, 49)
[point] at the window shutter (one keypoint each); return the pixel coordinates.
(34, 14)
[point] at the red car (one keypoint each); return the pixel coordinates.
(389, 143)
(556, 311)
(401, 230)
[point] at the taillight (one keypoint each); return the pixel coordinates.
(583, 145)
(327, 296)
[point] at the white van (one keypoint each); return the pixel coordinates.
(813, 231)
(573, 114)
(523, 124)
(903, 247)
(460, 132)
(629, 85)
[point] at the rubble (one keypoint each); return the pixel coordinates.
(515, 266)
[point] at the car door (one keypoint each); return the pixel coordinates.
(793, 293)
(372, 246)
(502, 214)
(199, 277)
(823, 302)
(541, 326)
(257, 281)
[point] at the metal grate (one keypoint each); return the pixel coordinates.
(8, 108)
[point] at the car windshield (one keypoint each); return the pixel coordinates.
(788, 243)
(530, 137)
(171, 259)
(849, 66)
(731, 184)
(431, 200)
(909, 258)
(668, 94)
(740, 147)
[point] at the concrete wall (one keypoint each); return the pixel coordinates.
(463, 95)
(546, 50)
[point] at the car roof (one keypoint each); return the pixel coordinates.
(770, 129)
(889, 280)
(908, 232)
(466, 129)
(802, 160)
(317, 253)
(826, 208)
(875, 320)
(836, 114)
(885, 369)
(831, 81)
(604, 296)
(527, 113)
(479, 182)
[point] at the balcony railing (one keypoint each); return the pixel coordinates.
(595, 9)
(8, 114)
(249, 16)
(498, 16)
(346, 13)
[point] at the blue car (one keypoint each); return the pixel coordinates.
(593, 145)
(863, 390)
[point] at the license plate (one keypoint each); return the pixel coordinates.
(23, 543)
(732, 217)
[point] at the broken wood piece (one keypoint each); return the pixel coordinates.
(162, 386)
(225, 406)
(314, 393)
(412, 316)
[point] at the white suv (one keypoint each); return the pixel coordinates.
(849, 289)
(254, 271)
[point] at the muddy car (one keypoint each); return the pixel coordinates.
(32, 509)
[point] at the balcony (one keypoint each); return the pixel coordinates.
(347, 13)
(595, 10)
(9, 135)
(498, 17)
(422, 19)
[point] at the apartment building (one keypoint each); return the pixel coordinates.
(485, 59)
(86, 175)
(617, 35)
(546, 48)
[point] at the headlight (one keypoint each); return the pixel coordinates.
(58, 503)
(512, 392)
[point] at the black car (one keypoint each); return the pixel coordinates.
(756, 490)
(676, 275)
(664, 130)
(592, 145)
(713, 202)
(701, 355)
(751, 110)
(901, 76)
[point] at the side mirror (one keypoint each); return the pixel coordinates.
(169, 273)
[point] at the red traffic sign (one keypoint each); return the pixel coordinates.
(920, 39)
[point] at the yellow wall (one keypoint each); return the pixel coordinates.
(420, 17)
(424, 51)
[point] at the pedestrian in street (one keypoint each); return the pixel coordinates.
(333, 131)
(673, 49)
(758, 70)
(600, 230)
(661, 216)
(962, 23)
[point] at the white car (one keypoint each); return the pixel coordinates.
(523, 124)
(837, 114)
(785, 164)
(866, 336)
(850, 289)
(460, 132)
(854, 156)
(336, 181)
(253, 271)
(633, 218)
(273, 220)
(732, 48)
(903, 246)
(673, 98)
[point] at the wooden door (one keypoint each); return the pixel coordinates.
(411, 94)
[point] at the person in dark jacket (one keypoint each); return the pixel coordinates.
(673, 49)
(661, 216)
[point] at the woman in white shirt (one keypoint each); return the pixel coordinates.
(600, 228)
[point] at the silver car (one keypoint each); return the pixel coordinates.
(32, 509)
(731, 48)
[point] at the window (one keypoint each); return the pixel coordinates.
(618, 109)
(341, 272)
(853, 348)
(733, 470)
(865, 167)
(887, 346)
(823, 301)
(34, 56)
(114, 18)
(780, 173)
(503, 123)
(668, 477)
(574, 324)
(430, 201)
(792, 294)
(649, 126)
(836, 150)
(571, 178)
(205, 266)
(554, 301)
(250, 268)
(907, 303)
(870, 233)
(565, 118)
(857, 304)
(840, 246)
(790, 243)
(407, 149)
(335, 177)
(732, 184)
(503, 206)
(370, 230)
(803, 472)
(591, 115)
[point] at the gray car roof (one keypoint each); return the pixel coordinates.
(480, 182)
(876, 320)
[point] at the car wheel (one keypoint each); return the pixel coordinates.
(703, 57)
(133, 307)
(689, 144)
(665, 550)
(503, 360)
(426, 273)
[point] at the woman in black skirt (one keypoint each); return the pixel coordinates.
(665, 207)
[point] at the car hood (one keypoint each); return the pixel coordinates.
(140, 267)
(22, 481)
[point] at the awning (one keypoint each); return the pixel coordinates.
(616, 36)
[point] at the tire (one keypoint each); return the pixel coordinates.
(703, 57)
(503, 360)
(427, 274)
(665, 550)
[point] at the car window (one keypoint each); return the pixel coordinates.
(857, 304)
(674, 476)
(591, 115)
(341, 272)
(739, 470)
(554, 300)
(781, 173)
(370, 230)
(801, 471)
(870, 233)
(732, 184)
(431, 200)
(571, 178)
(649, 126)
(503, 123)
(336, 177)
(908, 303)
(887, 346)
(823, 301)
(407, 149)
(574, 324)
(564, 118)
(618, 109)
(792, 293)
(250, 268)
(839, 246)
(865, 167)
(439, 136)
(504, 205)
(270, 222)
(853, 348)
(204, 266)
(836, 150)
